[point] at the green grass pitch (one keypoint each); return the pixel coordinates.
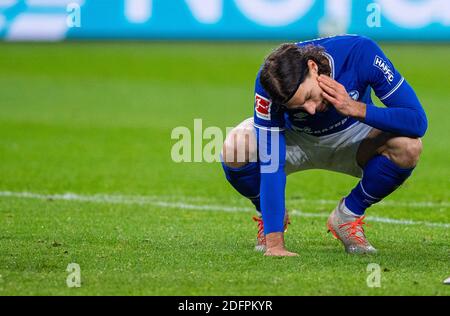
(96, 118)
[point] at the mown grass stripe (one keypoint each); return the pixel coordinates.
(156, 201)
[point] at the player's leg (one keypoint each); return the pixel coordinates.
(242, 170)
(387, 161)
(240, 163)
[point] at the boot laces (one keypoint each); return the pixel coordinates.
(355, 230)
(260, 222)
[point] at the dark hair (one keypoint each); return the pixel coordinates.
(287, 67)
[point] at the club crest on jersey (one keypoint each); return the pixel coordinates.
(262, 107)
(381, 64)
(354, 94)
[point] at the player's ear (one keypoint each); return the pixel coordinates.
(313, 68)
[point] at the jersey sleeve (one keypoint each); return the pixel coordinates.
(377, 70)
(272, 157)
(269, 124)
(404, 114)
(266, 115)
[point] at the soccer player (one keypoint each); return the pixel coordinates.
(313, 110)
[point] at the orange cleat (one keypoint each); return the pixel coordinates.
(349, 230)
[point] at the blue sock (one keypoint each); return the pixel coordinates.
(381, 177)
(246, 180)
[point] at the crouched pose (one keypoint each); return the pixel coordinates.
(313, 110)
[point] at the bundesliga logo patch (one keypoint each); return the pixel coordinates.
(381, 64)
(262, 107)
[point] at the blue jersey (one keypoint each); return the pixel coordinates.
(359, 65)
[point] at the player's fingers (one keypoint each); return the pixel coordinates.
(329, 98)
(327, 88)
(337, 89)
(326, 79)
(329, 81)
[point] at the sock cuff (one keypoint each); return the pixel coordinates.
(380, 178)
(386, 162)
(346, 210)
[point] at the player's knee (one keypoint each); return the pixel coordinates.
(405, 151)
(416, 149)
(239, 147)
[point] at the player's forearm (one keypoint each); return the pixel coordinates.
(358, 110)
(404, 114)
(273, 201)
(402, 121)
(273, 180)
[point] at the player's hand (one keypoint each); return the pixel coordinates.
(279, 252)
(275, 246)
(336, 94)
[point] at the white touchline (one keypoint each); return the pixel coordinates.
(415, 204)
(156, 201)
